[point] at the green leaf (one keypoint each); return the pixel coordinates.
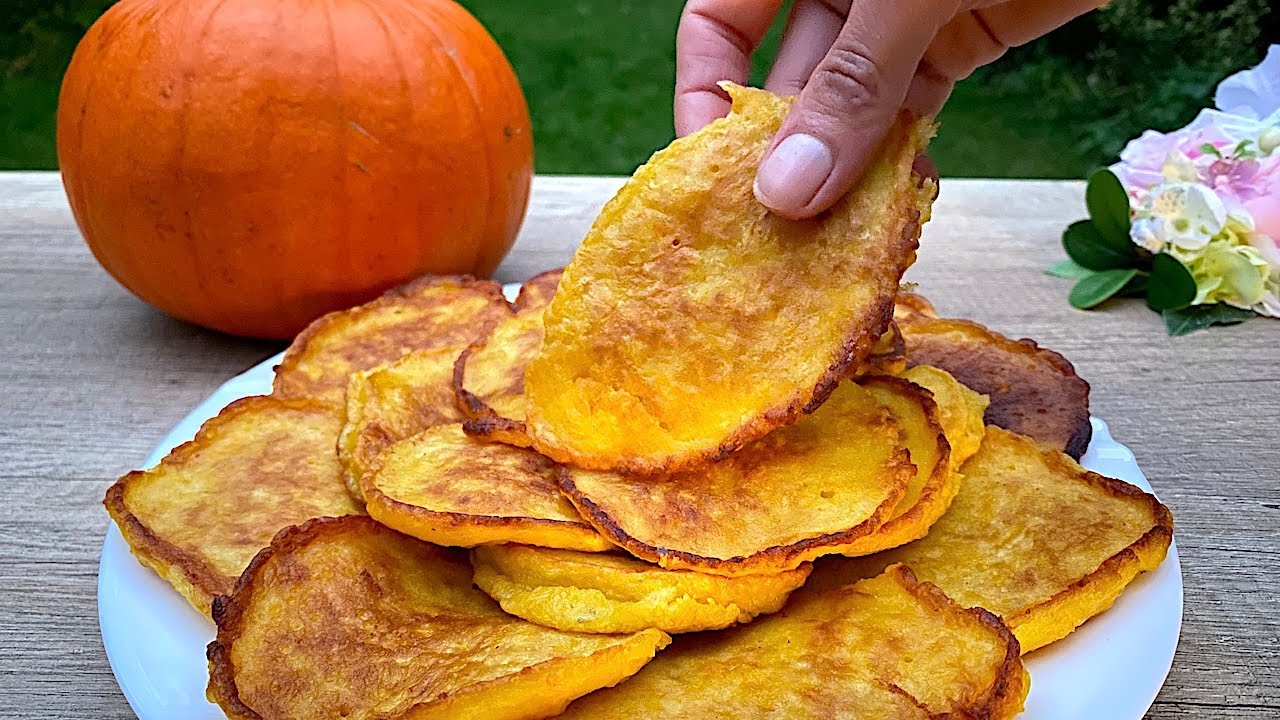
(1096, 288)
(1068, 269)
(1198, 317)
(1108, 205)
(1211, 149)
(1137, 287)
(1087, 247)
(1171, 286)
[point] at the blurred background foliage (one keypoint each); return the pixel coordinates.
(598, 76)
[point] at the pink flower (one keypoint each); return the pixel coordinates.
(1265, 210)
(1142, 162)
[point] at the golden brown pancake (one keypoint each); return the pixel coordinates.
(960, 410)
(429, 313)
(446, 488)
(693, 321)
(613, 593)
(198, 517)
(934, 482)
(1032, 537)
(392, 402)
(1033, 391)
(489, 376)
(347, 618)
(890, 648)
(795, 494)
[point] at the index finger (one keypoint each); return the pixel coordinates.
(714, 42)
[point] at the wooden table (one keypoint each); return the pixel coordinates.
(91, 379)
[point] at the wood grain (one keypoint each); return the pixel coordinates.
(91, 379)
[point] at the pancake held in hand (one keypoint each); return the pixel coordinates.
(429, 313)
(393, 402)
(960, 410)
(489, 376)
(889, 648)
(1032, 537)
(795, 494)
(345, 618)
(198, 517)
(444, 487)
(608, 593)
(1033, 391)
(693, 321)
(934, 484)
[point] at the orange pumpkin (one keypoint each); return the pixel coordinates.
(249, 165)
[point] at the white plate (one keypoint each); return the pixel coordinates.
(1109, 669)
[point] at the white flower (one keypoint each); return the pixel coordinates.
(1185, 215)
(1147, 234)
(1178, 167)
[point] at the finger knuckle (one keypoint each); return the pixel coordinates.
(850, 72)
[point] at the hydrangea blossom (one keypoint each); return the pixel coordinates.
(1209, 193)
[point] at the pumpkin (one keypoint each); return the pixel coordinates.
(249, 165)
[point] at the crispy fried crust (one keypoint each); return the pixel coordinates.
(693, 321)
(538, 290)
(886, 648)
(428, 313)
(443, 487)
(323, 621)
(393, 402)
(1033, 391)
(888, 356)
(794, 495)
(488, 377)
(613, 593)
(934, 484)
(1080, 539)
(199, 516)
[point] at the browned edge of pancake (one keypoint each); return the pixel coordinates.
(301, 343)
(228, 610)
(1161, 534)
(781, 556)
(1007, 692)
(1082, 431)
(152, 548)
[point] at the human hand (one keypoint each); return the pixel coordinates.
(854, 63)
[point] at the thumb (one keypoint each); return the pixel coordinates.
(837, 123)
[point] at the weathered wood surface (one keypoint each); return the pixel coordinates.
(91, 379)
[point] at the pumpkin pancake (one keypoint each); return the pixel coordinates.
(489, 376)
(538, 290)
(198, 517)
(888, 648)
(393, 402)
(429, 313)
(1032, 537)
(446, 488)
(1033, 391)
(795, 494)
(344, 617)
(960, 410)
(693, 321)
(934, 483)
(613, 593)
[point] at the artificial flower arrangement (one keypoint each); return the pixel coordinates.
(1190, 219)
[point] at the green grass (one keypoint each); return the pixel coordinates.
(598, 77)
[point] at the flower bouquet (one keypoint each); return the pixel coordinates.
(1190, 219)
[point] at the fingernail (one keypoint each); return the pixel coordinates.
(792, 174)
